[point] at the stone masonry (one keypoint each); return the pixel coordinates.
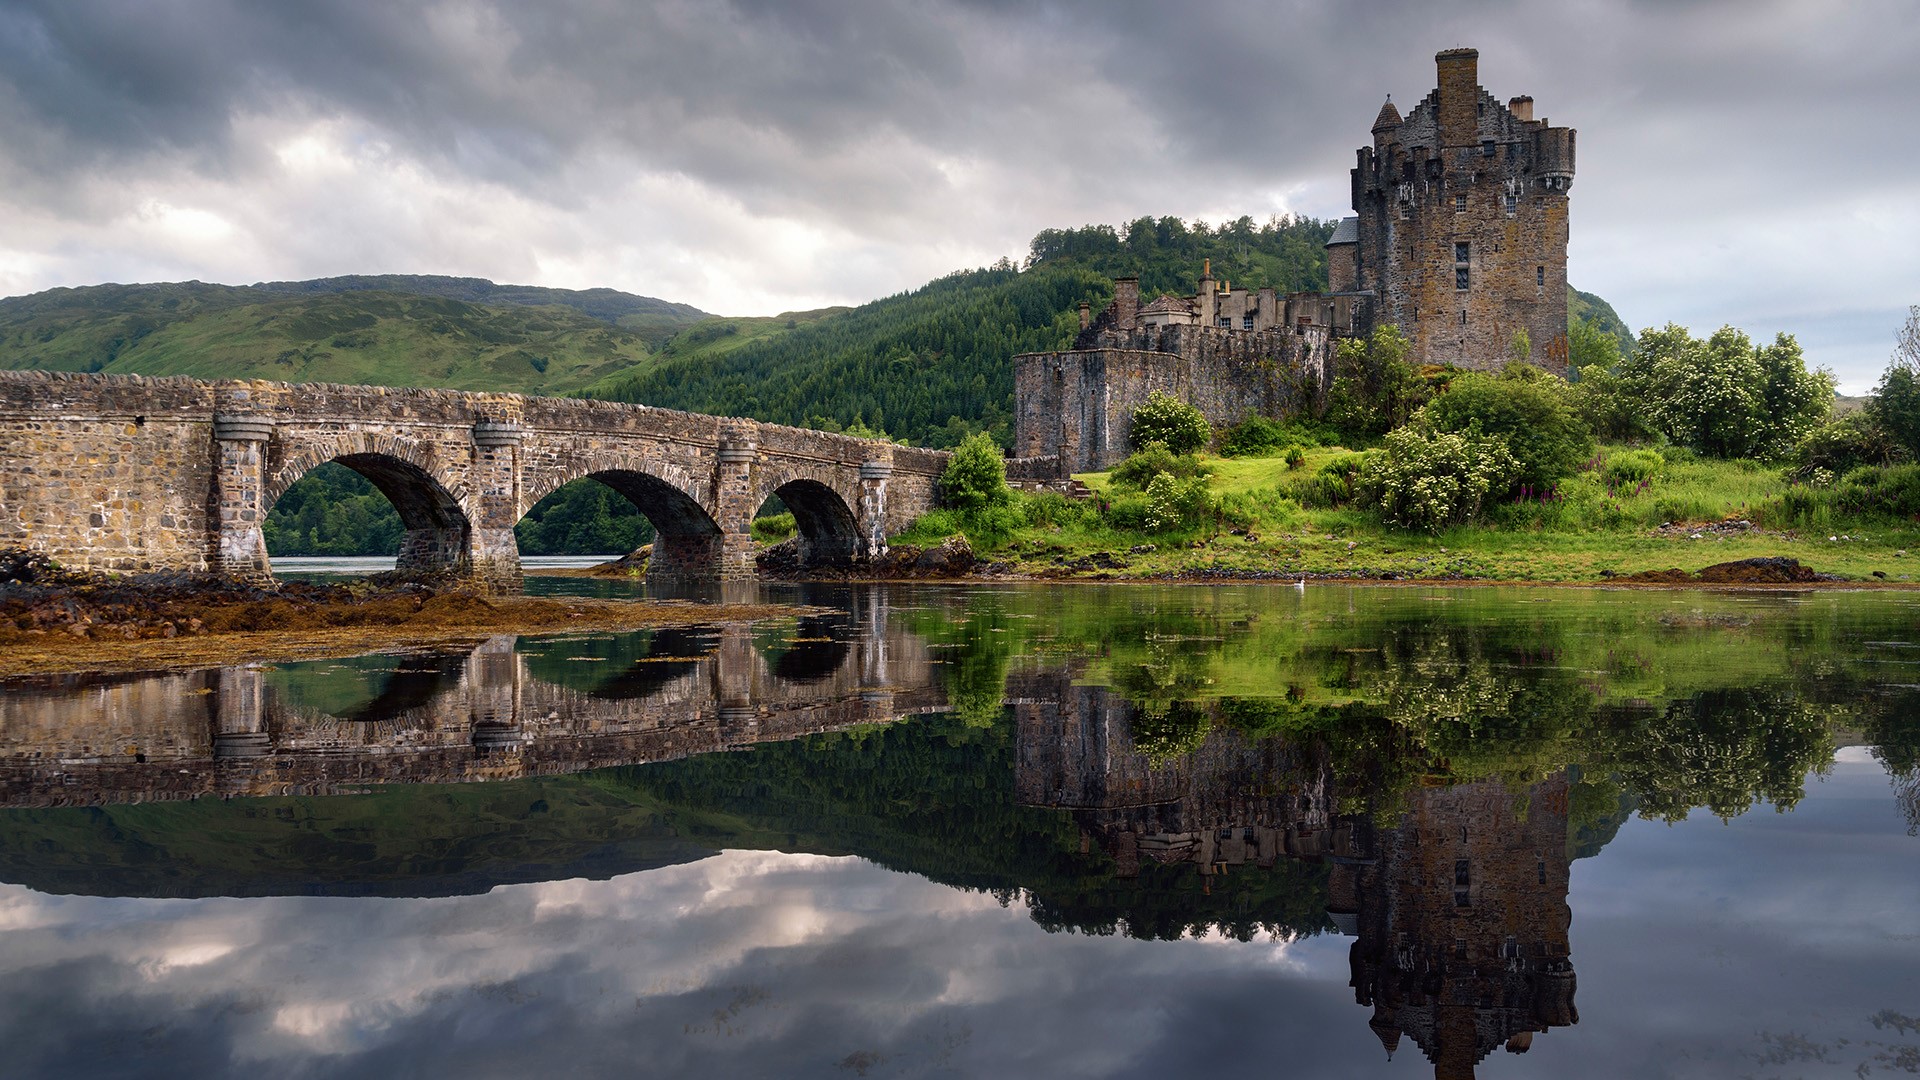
(134, 474)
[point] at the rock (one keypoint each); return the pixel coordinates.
(1142, 549)
(950, 556)
(1776, 569)
(783, 557)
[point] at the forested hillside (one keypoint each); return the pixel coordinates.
(393, 330)
(932, 365)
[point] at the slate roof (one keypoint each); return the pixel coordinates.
(1347, 232)
(1389, 116)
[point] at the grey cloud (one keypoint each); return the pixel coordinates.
(915, 137)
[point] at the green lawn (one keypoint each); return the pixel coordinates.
(1677, 521)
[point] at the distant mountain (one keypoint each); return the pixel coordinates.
(395, 330)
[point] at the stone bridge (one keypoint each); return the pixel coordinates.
(136, 474)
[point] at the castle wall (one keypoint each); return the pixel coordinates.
(1076, 405)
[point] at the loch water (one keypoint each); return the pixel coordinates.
(994, 831)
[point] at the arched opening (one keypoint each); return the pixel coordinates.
(627, 667)
(813, 650)
(580, 514)
(368, 689)
(814, 518)
(370, 504)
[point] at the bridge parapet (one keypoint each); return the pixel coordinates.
(137, 474)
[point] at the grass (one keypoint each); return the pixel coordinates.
(1582, 531)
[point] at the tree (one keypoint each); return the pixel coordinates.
(1164, 418)
(1895, 404)
(976, 476)
(1374, 388)
(1546, 439)
(1723, 396)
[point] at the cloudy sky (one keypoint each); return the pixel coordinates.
(1740, 161)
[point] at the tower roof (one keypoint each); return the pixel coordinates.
(1347, 232)
(1389, 116)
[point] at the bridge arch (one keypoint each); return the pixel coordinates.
(824, 508)
(687, 541)
(433, 510)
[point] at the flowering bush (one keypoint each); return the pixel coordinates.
(1175, 504)
(1429, 481)
(1165, 418)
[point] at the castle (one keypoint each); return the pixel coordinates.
(1458, 238)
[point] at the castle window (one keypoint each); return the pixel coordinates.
(1461, 898)
(1513, 204)
(1459, 202)
(1539, 275)
(1486, 147)
(1226, 321)
(1246, 322)
(1461, 250)
(1460, 870)
(1460, 282)
(1543, 871)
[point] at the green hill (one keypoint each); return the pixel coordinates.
(931, 365)
(394, 330)
(1585, 305)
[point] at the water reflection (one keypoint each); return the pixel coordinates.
(1419, 773)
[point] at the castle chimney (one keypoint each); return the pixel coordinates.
(1126, 300)
(1086, 314)
(1521, 107)
(1459, 93)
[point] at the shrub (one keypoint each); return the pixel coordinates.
(773, 528)
(1173, 503)
(1150, 461)
(1630, 468)
(1429, 481)
(1128, 512)
(1840, 446)
(1166, 419)
(1725, 396)
(1258, 436)
(1528, 410)
(1894, 490)
(1296, 458)
(976, 476)
(1049, 508)
(1332, 485)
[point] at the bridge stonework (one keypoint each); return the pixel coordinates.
(135, 474)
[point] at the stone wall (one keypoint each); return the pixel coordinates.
(1075, 406)
(127, 473)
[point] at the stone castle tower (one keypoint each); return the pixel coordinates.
(1460, 226)
(1458, 238)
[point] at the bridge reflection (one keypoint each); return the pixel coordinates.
(505, 709)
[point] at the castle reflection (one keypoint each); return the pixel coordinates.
(1455, 894)
(1458, 909)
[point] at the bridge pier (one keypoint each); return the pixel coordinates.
(874, 475)
(495, 552)
(239, 478)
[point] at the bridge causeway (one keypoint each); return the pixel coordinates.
(128, 473)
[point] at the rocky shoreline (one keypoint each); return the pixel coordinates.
(57, 619)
